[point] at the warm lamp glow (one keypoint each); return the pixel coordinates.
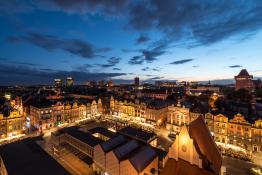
(8, 96)
(184, 139)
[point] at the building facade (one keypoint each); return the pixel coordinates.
(220, 128)
(11, 125)
(239, 132)
(256, 135)
(138, 110)
(128, 108)
(236, 131)
(244, 80)
(48, 116)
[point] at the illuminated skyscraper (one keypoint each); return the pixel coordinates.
(69, 81)
(58, 82)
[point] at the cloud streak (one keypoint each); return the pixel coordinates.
(150, 54)
(181, 61)
(111, 62)
(73, 46)
(12, 75)
(235, 66)
(136, 60)
(145, 69)
(116, 68)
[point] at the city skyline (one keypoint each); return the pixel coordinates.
(119, 40)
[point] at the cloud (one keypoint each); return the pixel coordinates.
(82, 7)
(145, 69)
(83, 67)
(47, 42)
(80, 48)
(142, 39)
(157, 69)
(8, 61)
(73, 46)
(151, 55)
(108, 7)
(13, 75)
(116, 68)
(182, 61)
(156, 78)
(235, 66)
(197, 22)
(136, 60)
(105, 49)
(15, 6)
(111, 62)
(191, 22)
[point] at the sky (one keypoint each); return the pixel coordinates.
(183, 40)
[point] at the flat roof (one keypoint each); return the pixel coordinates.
(26, 157)
(85, 137)
(138, 134)
(102, 131)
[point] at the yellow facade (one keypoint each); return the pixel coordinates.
(236, 131)
(220, 128)
(11, 125)
(127, 109)
(47, 117)
(256, 133)
(239, 132)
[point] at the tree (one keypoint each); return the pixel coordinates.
(242, 95)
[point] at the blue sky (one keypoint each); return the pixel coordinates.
(120, 39)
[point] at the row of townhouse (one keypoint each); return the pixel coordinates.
(236, 131)
(140, 110)
(45, 116)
